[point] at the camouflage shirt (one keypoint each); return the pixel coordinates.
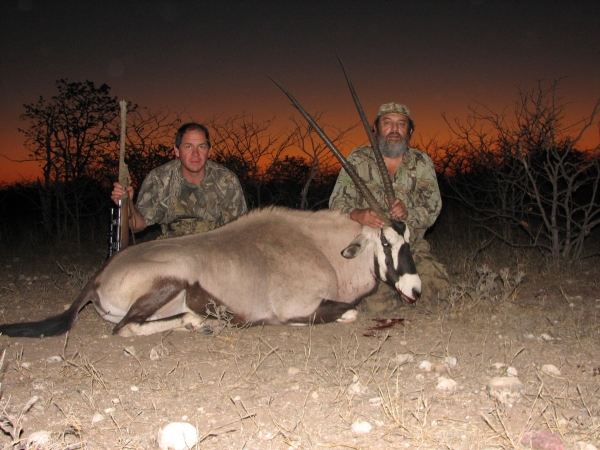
(415, 183)
(181, 207)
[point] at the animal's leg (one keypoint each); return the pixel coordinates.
(136, 321)
(189, 321)
(328, 311)
(349, 316)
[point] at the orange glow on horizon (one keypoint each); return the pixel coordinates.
(17, 171)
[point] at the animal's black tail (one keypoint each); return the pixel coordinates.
(52, 326)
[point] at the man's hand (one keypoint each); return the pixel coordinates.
(118, 191)
(370, 218)
(136, 220)
(399, 211)
(366, 217)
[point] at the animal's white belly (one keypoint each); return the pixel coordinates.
(112, 315)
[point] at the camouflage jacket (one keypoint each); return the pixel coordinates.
(181, 207)
(415, 183)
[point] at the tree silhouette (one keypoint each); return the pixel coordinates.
(525, 177)
(69, 135)
(249, 149)
(75, 137)
(322, 162)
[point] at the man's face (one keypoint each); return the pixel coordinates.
(193, 152)
(393, 134)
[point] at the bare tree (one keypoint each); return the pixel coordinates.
(320, 159)
(527, 173)
(249, 149)
(150, 140)
(75, 137)
(69, 135)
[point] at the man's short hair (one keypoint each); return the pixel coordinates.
(397, 108)
(191, 126)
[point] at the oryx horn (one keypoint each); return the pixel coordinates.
(360, 184)
(383, 171)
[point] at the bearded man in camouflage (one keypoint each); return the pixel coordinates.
(190, 194)
(418, 200)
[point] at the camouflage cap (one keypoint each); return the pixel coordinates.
(394, 108)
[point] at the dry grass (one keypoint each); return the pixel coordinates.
(312, 387)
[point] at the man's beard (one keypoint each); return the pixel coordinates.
(392, 149)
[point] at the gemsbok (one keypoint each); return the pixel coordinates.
(272, 266)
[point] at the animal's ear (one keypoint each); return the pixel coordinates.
(356, 246)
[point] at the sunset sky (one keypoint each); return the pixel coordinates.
(212, 58)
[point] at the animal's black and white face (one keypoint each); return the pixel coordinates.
(395, 263)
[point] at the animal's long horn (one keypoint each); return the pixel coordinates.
(360, 184)
(383, 171)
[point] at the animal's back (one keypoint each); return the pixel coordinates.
(282, 262)
(269, 265)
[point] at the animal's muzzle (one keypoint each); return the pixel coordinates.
(416, 295)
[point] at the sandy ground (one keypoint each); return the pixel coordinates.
(503, 369)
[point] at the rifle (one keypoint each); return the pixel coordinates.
(119, 215)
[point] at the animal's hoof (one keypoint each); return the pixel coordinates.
(349, 316)
(206, 330)
(202, 329)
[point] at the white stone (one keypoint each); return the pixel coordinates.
(546, 337)
(446, 384)
(158, 352)
(375, 401)
(404, 358)
(498, 366)
(450, 361)
(512, 372)
(425, 365)
(97, 418)
(294, 371)
(54, 359)
(354, 388)
(507, 390)
(550, 369)
(38, 439)
(361, 427)
(177, 436)
(528, 336)
(26, 365)
(134, 388)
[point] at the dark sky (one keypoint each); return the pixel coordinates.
(209, 58)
